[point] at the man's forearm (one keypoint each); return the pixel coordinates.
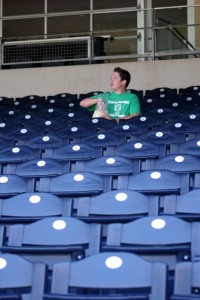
(87, 102)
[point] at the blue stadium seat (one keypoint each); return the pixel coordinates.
(141, 150)
(39, 168)
(100, 124)
(75, 184)
(43, 141)
(23, 133)
(190, 89)
(103, 139)
(33, 206)
(186, 281)
(114, 165)
(162, 136)
(155, 182)
(161, 91)
(112, 276)
(155, 237)
(128, 129)
(18, 154)
(73, 152)
(185, 206)
(21, 279)
(52, 235)
(116, 206)
(188, 147)
(5, 142)
(11, 185)
(181, 163)
(75, 131)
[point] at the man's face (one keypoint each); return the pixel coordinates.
(116, 84)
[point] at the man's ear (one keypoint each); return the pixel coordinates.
(124, 82)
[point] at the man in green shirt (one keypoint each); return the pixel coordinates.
(118, 104)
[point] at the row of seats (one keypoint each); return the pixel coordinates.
(120, 205)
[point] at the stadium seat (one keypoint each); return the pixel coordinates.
(181, 163)
(52, 235)
(11, 185)
(100, 124)
(75, 184)
(20, 278)
(43, 141)
(103, 139)
(161, 91)
(38, 168)
(156, 237)
(23, 133)
(155, 182)
(162, 136)
(116, 206)
(128, 129)
(33, 206)
(75, 131)
(114, 165)
(5, 142)
(186, 281)
(73, 152)
(141, 150)
(185, 206)
(190, 89)
(110, 276)
(18, 154)
(191, 147)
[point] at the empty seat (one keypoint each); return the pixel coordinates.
(186, 281)
(190, 89)
(116, 206)
(73, 152)
(114, 165)
(128, 129)
(21, 279)
(39, 168)
(181, 127)
(44, 141)
(155, 237)
(11, 185)
(109, 276)
(5, 142)
(161, 91)
(75, 131)
(76, 184)
(100, 124)
(183, 163)
(188, 147)
(155, 182)
(103, 139)
(52, 235)
(185, 206)
(140, 150)
(162, 136)
(18, 154)
(28, 207)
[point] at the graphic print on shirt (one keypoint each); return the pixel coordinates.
(117, 108)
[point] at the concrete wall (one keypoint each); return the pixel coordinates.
(85, 78)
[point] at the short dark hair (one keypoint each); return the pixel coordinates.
(124, 75)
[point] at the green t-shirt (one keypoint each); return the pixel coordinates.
(119, 105)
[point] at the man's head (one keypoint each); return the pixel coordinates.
(120, 79)
(124, 75)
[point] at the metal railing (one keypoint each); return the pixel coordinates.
(96, 46)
